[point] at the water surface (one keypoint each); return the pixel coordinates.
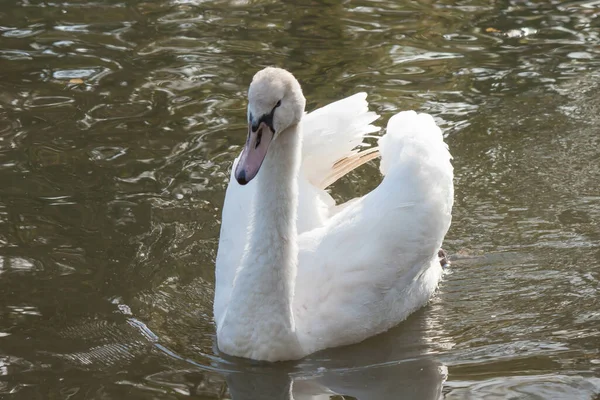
(120, 120)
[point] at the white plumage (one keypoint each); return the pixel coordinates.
(295, 272)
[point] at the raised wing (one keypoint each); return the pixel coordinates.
(334, 133)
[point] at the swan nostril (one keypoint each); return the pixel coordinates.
(258, 138)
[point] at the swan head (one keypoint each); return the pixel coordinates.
(275, 102)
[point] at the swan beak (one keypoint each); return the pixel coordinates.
(254, 153)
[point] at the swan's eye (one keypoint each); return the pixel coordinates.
(278, 104)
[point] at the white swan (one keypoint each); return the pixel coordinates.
(294, 272)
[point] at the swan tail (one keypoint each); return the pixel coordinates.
(332, 136)
(413, 152)
(413, 136)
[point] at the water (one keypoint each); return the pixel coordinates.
(119, 122)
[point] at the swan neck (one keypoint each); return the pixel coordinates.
(274, 229)
(279, 176)
(259, 322)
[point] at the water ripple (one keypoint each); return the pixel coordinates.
(119, 123)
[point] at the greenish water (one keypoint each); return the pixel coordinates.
(118, 124)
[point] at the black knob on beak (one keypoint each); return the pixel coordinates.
(240, 176)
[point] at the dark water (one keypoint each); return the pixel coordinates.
(119, 121)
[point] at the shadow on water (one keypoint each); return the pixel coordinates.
(396, 364)
(400, 363)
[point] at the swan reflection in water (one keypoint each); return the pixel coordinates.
(396, 364)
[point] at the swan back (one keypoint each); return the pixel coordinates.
(375, 262)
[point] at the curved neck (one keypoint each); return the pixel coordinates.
(259, 322)
(273, 227)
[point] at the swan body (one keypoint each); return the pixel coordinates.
(296, 273)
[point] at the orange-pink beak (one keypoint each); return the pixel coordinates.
(254, 153)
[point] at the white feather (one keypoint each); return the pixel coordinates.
(333, 132)
(362, 267)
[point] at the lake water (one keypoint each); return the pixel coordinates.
(119, 123)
